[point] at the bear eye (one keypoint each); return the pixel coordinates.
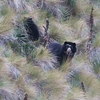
(67, 45)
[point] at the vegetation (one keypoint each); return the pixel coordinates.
(28, 71)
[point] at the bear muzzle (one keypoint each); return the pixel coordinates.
(69, 51)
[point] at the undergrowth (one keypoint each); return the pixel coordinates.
(27, 66)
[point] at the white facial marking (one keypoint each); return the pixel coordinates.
(68, 51)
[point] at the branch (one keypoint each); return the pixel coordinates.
(91, 31)
(46, 27)
(25, 98)
(46, 35)
(83, 87)
(91, 25)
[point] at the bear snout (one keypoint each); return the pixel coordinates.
(68, 52)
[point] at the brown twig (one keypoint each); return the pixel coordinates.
(47, 26)
(91, 18)
(83, 87)
(91, 22)
(46, 35)
(25, 98)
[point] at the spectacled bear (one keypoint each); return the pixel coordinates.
(31, 29)
(62, 52)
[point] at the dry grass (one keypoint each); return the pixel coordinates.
(17, 60)
(34, 72)
(76, 94)
(6, 23)
(78, 27)
(56, 34)
(66, 66)
(82, 6)
(54, 83)
(53, 1)
(34, 79)
(96, 15)
(97, 40)
(43, 54)
(44, 59)
(31, 91)
(48, 81)
(3, 68)
(91, 83)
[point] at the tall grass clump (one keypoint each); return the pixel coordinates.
(51, 7)
(22, 45)
(57, 34)
(97, 40)
(95, 60)
(4, 10)
(53, 84)
(79, 27)
(96, 66)
(66, 13)
(45, 59)
(43, 15)
(96, 3)
(26, 50)
(65, 66)
(90, 81)
(43, 54)
(75, 94)
(74, 79)
(72, 5)
(82, 7)
(17, 60)
(31, 72)
(6, 22)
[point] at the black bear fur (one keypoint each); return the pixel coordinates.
(62, 52)
(31, 29)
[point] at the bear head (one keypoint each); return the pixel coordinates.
(69, 48)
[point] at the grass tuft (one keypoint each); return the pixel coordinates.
(43, 54)
(97, 40)
(53, 83)
(6, 23)
(56, 34)
(75, 94)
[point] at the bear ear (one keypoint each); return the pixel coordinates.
(30, 18)
(65, 42)
(74, 44)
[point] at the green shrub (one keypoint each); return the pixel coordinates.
(65, 13)
(72, 5)
(74, 79)
(22, 45)
(96, 66)
(4, 10)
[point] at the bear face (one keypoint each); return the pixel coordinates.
(69, 49)
(31, 29)
(63, 52)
